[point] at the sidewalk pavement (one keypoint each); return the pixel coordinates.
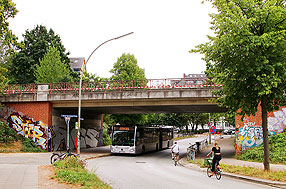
(20, 170)
(228, 154)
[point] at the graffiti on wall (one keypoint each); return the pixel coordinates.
(89, 138)
(251, 134)
(277, 124)
(27, 127)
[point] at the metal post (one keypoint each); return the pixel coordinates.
(80, 85)
(210, 140)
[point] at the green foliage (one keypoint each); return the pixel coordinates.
(51, 69)
(29, 145)
(248, 53)
(178, 119)
(254, 172)
(7, 39)
(107, 120)
(129, 119)
(72, 171)
(126, 69)
(106, 137)
(33, 49)
(8, 10)
(277, 149)
(7, 134)
(127, 72)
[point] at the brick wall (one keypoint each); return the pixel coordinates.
(39, 111)
(249, 131)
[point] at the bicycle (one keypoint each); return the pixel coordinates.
(176, 159)
(55, 157)
(217, 171)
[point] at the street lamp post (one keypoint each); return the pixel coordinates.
(80, 84)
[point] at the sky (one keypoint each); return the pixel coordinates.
(164, 31)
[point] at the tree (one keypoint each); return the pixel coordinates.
(171, 119)
(34, 48)
(126, 69)
(127, 72)
(8, 10)
(248, 55)
(129, 119)
(7, 38)
(51, 69)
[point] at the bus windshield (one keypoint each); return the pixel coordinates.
(123, 138)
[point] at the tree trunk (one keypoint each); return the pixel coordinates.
(265, 134)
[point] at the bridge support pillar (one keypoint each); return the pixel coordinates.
(91, 129)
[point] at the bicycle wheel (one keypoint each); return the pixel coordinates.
(209, 171)
(218, 174)
(54, 158)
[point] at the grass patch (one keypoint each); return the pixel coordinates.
(249, 171)
(254, 172)
(277, 151)
(72, 171)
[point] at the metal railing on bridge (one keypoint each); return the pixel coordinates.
(109, 85)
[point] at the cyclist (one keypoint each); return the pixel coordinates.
(175, 150)
(217, 156)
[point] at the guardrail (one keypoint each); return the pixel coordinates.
(150, 84)
(21, 88)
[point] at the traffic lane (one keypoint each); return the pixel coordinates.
(156, 170)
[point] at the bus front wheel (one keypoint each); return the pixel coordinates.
(143, 149)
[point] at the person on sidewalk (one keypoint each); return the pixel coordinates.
(216, 157)
(175, 150)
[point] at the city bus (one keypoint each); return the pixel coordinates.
(140, 139)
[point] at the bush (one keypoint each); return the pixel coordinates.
(106, 138)
(277, 151)
(29, 146)
(7, 134)
(72, 171)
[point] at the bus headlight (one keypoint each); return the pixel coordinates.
(132, 149)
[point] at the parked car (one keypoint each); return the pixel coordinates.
(228, 132)
(225, 132)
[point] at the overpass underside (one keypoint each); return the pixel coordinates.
(143, 106)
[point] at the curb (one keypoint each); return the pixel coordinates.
(184, 163)
(97, 156)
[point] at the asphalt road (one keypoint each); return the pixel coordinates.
(156, 170)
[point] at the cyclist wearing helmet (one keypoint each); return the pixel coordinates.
(175, 150)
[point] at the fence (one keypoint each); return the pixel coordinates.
(109, 85)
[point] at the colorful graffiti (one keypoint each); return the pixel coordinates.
(277, 124)
(251, 134)
(89, 138)
(27, 127)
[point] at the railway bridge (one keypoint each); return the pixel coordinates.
(34, 110)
